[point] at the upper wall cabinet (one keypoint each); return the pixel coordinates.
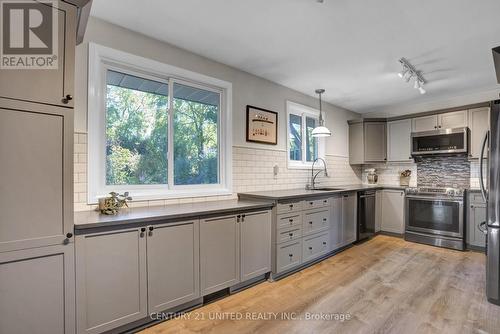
(479, 124)
(367, 142)
(50, 86)
(398, 140)
(455, 119)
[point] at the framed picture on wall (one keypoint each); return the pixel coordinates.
(262, 126)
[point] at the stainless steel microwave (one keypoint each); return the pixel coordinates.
(443, 141)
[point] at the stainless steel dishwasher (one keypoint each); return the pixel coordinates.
(366, 214)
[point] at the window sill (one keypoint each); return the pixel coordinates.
(153, 195)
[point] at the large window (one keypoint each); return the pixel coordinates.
(303, 148)
(154, 134)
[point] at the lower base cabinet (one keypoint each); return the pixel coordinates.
(234, 249)
(219, 253)
(40, 282)
(111, 279)
(392, 215)
(476, 215)
(173, 262)
(314, 246)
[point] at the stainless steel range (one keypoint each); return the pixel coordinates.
(435, 216)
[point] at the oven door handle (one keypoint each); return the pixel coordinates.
(434, 199)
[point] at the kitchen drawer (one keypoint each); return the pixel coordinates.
(289, 255)
(315, 222)
(289, 234)
(316, 204)
(289, 220)
(315, 246)
(476, 197)
(287, 207)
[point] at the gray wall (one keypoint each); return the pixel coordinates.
(247, 88)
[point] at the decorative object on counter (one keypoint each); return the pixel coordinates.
(321, 130)
(112, 204)
(404, 177)
(262, 125)
(372, 176)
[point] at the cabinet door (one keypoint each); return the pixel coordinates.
(111, 279)
(173, 256)
(477, 215)
(356, 144)
(479, 124)
(393, 211)
(37, 290)
(48, 86)
(336, 223)
(398, 140)
(36, 175)
(219, 253)
(378, 211)
(349, 217)
(425, 123)
(375, 142)
(450, 120)
(255, 236)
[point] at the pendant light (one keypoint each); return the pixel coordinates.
(321, 130)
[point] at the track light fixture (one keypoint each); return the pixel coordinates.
(409, 72)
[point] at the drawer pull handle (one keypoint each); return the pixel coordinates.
(311, 203)
(310, 223)
(291, 206)
(324, 242)
(290, 234)
(324, 219)
(290, 220)
(310, 248)
(290, 255)
(325, 201)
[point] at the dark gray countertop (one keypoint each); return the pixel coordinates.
(87, 220)
(276, 195)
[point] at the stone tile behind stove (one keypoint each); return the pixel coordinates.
(443, 171)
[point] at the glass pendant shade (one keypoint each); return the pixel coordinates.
(321, 130)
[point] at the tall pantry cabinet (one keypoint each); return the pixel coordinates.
(37, 283)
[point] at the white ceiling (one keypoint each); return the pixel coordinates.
(348, 47)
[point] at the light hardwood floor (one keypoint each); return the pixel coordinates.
(386, 285)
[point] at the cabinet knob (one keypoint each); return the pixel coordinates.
(290, 234)
(324, 219)
(324, 242)
(151, 228)
(291, 206)
(69, 235)
(310, 248)
(311, 203)
(472, 206)
(67, 98)
(290, 220)
(439, 126)
(143, 229)
(290, 255)
(310, 223)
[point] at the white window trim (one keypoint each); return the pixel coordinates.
(303, 111)
(100, 58)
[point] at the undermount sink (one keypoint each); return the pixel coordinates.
(326, 189)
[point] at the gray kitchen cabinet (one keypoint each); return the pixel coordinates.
(367, 142)
(336, 223)
(424, 123)
(111, 279)
(378, 210)
(398, 140)
(349, 218)
(173, 260)
(454, 119)
(255, 244)
(393, 211)
(315, 246)
(476, 215)
(219, 253)
(479, 124)
(36, 164)
(37, 290)
(48, 86)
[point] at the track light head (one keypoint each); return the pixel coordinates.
(422, 90)
(409, 72)
(417, 84)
